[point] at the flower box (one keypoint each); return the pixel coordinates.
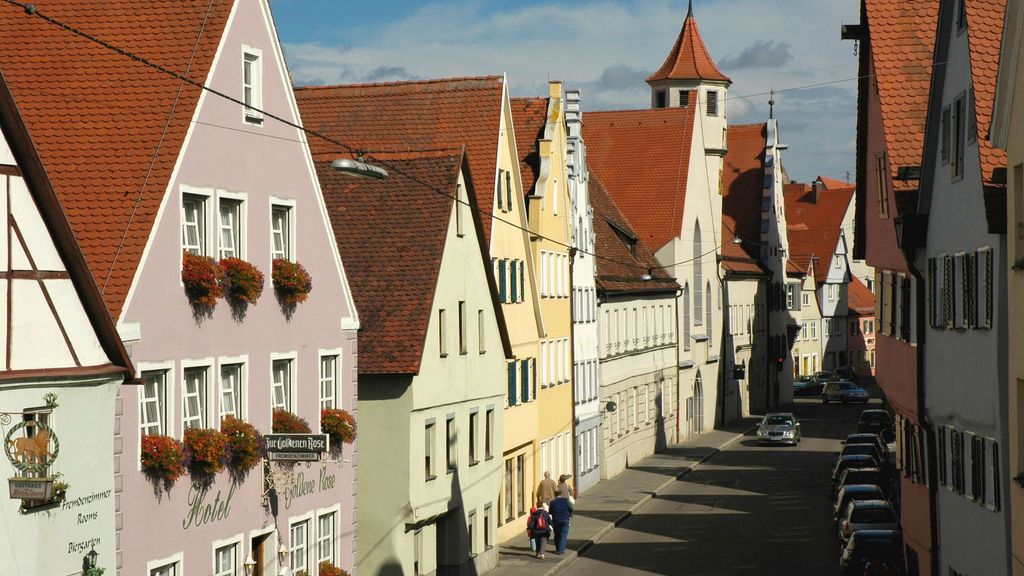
(292, 283)
(205, 451)
(162, 458)
(245, 445)
(339, 425)
(242, 282)
(287, 423)
(328, 569)
(203, 279)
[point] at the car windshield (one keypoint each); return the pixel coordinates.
(874, 417)
(859, 449)
(873, 543)
(778, 421)
(848, 386)
(861, 477)
(872, 516)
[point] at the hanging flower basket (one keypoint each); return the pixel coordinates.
(292, 283)
(339, 425)
(287, 423)
(244, 445)
(328, 569)
(205, 451)
(202, 278)
(162, 458)
(242, 282)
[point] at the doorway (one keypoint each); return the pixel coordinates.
(264, 554)
(698, 405)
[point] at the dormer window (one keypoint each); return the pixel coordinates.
(252, 85)
(661, 99)
(684, 98)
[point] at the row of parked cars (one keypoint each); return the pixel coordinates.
(867, 524)
(839, 386)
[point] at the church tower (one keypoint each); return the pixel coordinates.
(690, 74)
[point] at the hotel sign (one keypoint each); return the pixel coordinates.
(31, 488)
(296, 447)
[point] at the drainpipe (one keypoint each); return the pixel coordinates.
(572, 362)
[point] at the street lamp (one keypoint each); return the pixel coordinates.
(90, 558)
(282, 554)
(250, 565)
(359, 168)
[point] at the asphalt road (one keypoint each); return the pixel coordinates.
(748, 510)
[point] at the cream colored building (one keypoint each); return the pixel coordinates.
(1008, 133)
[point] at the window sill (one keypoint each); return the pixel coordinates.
(254, 120)
(451, 471)
(444, 354)
(463, 353)
(486, 458)
(431, 477)
(474, 462)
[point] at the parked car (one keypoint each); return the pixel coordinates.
(853, 493)
(874, 421)
(779, 428)
(871, 546)
(861, 476)
(807, 386)
(846, 373)
(853, 461)
(868, 449)
(867, 515)
(867, 438)
(824, 376)
(843, 391)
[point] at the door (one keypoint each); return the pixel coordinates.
(698, 405)
(263, 554)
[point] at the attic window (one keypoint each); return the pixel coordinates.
(661, 99)
(252, 85)
(684, 98)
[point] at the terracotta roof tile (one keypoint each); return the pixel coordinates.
(101, 121)
(393, 283)
(689, 58)
(813, 226)
(529, 116)
(742, 181)
(859, 298)
(414, 116)
(985, 29)
(619, 267)
(643, 157)
(902, 48)
(833, 183)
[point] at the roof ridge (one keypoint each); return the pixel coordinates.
(395, 83)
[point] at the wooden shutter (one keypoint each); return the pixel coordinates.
(502, 281)
(932, 273)
(987, 257)
(947, 294)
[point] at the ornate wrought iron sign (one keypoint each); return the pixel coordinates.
(34, 451)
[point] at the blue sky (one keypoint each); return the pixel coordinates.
(604, 47)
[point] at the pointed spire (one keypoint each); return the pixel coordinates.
(689, 58)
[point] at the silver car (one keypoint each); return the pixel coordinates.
(779, 428)
(867, 515)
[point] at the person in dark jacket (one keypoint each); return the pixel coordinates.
(539, 529)
(561, 516)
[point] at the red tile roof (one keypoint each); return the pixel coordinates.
(413, 116)
(101, 121)
(985, 27)
(902, 47)
(689, 59)
(813, 227)
(643, 157)
(529, 116)
(833, 183)
(620, 261)
(393, 269)
(742, 187)
(859, 298)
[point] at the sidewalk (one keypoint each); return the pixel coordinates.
(612, 501)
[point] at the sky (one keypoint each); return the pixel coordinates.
(606, 48)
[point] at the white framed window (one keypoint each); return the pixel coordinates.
(463, 328)
(282, 378)
(298, 545)
(232, 389)
(230, 237)
(252, 85)
(489, 433)
(153, 403)
(327, 537)
(282, 229)
(170, 566)
(194, 397)
(227, 557)
(480, 333)
(193, 224)
(329, 397)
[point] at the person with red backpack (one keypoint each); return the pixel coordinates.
(539, 529)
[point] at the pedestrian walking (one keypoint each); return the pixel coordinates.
(529, 519)
(561, 518)
(539, 529)
(547, 489)
(564, 489)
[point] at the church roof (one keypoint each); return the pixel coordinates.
(689, 58)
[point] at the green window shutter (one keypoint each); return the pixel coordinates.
(524, 369)
(988, 288)
(522, 281)
(502, 281)
(511, 368)
(514, 283)
(533, 377)
(508, 188)
(499, 191)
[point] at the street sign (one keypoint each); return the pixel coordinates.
(296, 447)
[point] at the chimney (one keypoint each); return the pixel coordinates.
(815, 190)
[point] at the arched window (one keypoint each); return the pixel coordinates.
(686, 317)
(698, 277)
(707, 310)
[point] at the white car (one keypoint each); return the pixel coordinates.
(779, 428)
